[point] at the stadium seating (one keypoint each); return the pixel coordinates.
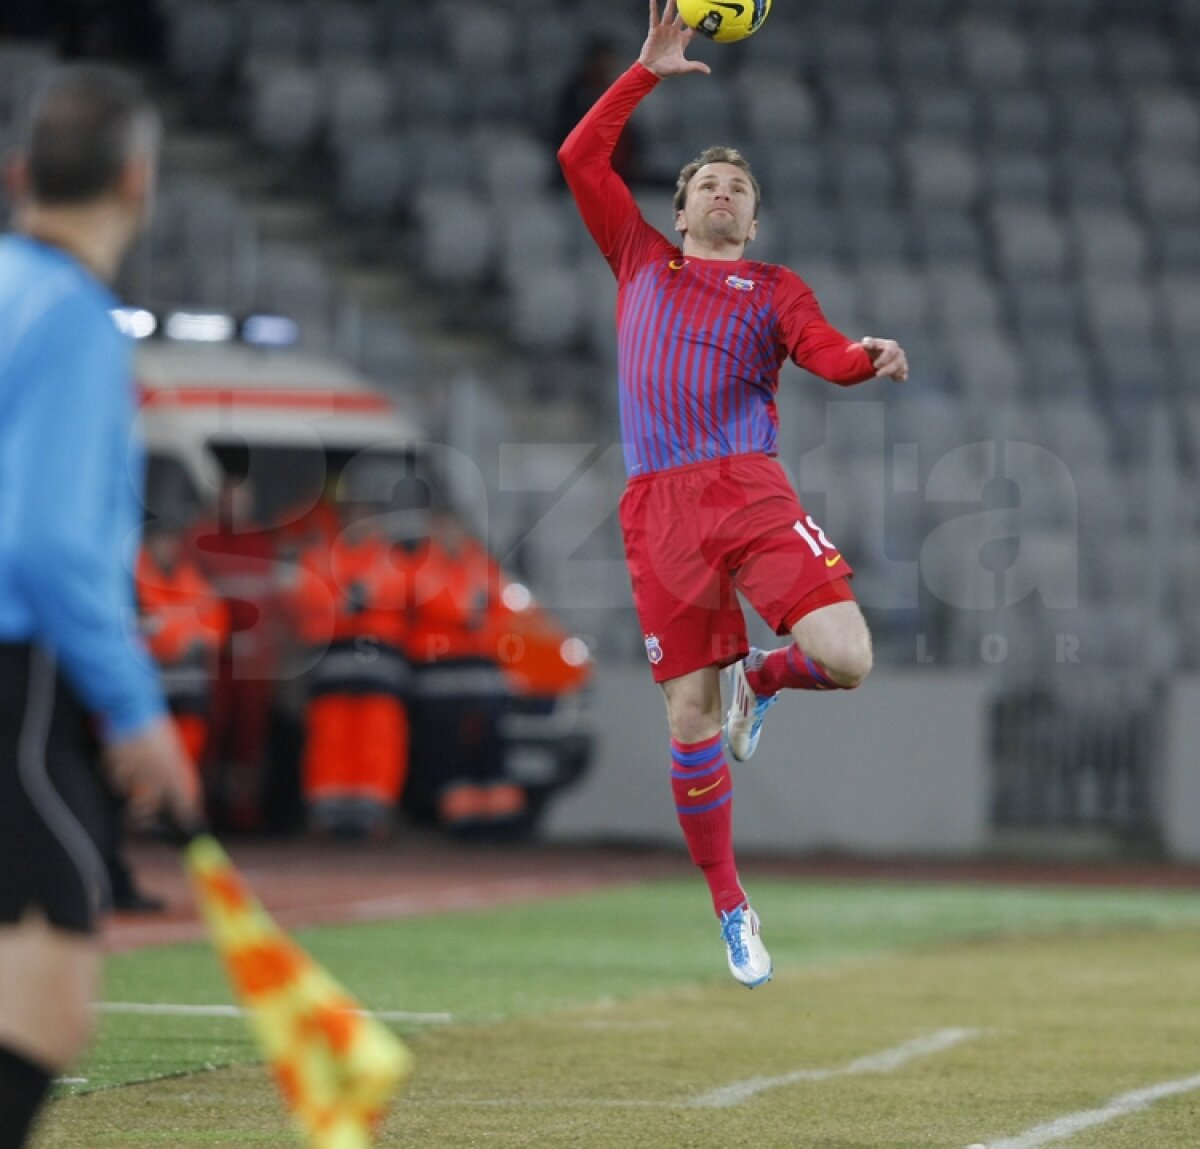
(1011, 187)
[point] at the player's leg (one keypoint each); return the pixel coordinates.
(798, 582)
(836, 646)
(48, 981)
(692, 625)
(702, 784)
(830, 648)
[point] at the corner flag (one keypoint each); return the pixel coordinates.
(335, 1066)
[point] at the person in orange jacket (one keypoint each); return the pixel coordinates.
(350, 606)
(184, 623)
(457, 613)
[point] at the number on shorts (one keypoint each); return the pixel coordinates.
(807, 533)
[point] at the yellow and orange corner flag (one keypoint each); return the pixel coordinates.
(336, 1067)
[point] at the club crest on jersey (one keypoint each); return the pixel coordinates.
(654, 649)
(740, 284)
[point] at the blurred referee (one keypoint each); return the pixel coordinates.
(71, 670)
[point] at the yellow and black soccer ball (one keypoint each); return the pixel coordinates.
(724, 20)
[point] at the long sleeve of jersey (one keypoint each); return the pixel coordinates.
(69, 511)
(812, 341)
(605, 203)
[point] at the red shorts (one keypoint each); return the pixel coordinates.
(696, 535)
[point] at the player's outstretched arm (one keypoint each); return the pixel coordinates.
(666, 42)
(887, 357)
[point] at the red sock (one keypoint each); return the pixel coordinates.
(703, 788)
(788, 668)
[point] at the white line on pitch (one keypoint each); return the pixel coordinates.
(886, 1061)
(169, 1009)
(1063, 1127)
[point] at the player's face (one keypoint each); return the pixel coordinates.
(719, 206)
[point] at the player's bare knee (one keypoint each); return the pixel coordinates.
(692, 717)
(850, 661)
(692, 722)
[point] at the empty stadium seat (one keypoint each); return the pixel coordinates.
(1136, 57)
(1092, 181)
(995, 54)
(514, 164)
(359, 102)
(1168, 188)
(1074, 431)
(988, 366)
(1015, 178)
(845, 49)
(894, 300)
(963, 300)
(1043, 310)
(1107, 242)
(1055, 368)
(344, 32)
(1021, 120)
(948, 238)
(779, 110)
(456, 236)
(546, 309)
(940, 174)
(923, 56)
(1167, 120)
(287, 107)
(876, 235)
(375, 176)
(1066, 59)
(947, 113)
(202, 42)
(862, 112)
(864, 175)
(1094, 120)
(482, 38)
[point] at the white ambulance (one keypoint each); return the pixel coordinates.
(214, 405)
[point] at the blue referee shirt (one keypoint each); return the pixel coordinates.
(71, 471)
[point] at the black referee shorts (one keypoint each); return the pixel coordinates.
(55, 810)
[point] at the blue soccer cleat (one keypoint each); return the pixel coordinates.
(743, 723)
(749, 961)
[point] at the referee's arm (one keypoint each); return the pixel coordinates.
(80, 514)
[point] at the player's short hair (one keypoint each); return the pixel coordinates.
(85, 123)
(717, 155)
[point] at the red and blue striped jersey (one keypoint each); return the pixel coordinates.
(700, 341)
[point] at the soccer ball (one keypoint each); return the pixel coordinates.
(724, 20)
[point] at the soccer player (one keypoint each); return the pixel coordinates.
(702, 332)
(70, 660)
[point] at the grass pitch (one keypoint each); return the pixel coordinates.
(609, 1020)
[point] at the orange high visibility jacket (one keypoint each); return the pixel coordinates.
(458, 607)
(182, 617)
(349, 590)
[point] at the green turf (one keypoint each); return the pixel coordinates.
(566, 1010)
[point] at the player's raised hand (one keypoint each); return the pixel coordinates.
(888, 358)
(669, 36)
